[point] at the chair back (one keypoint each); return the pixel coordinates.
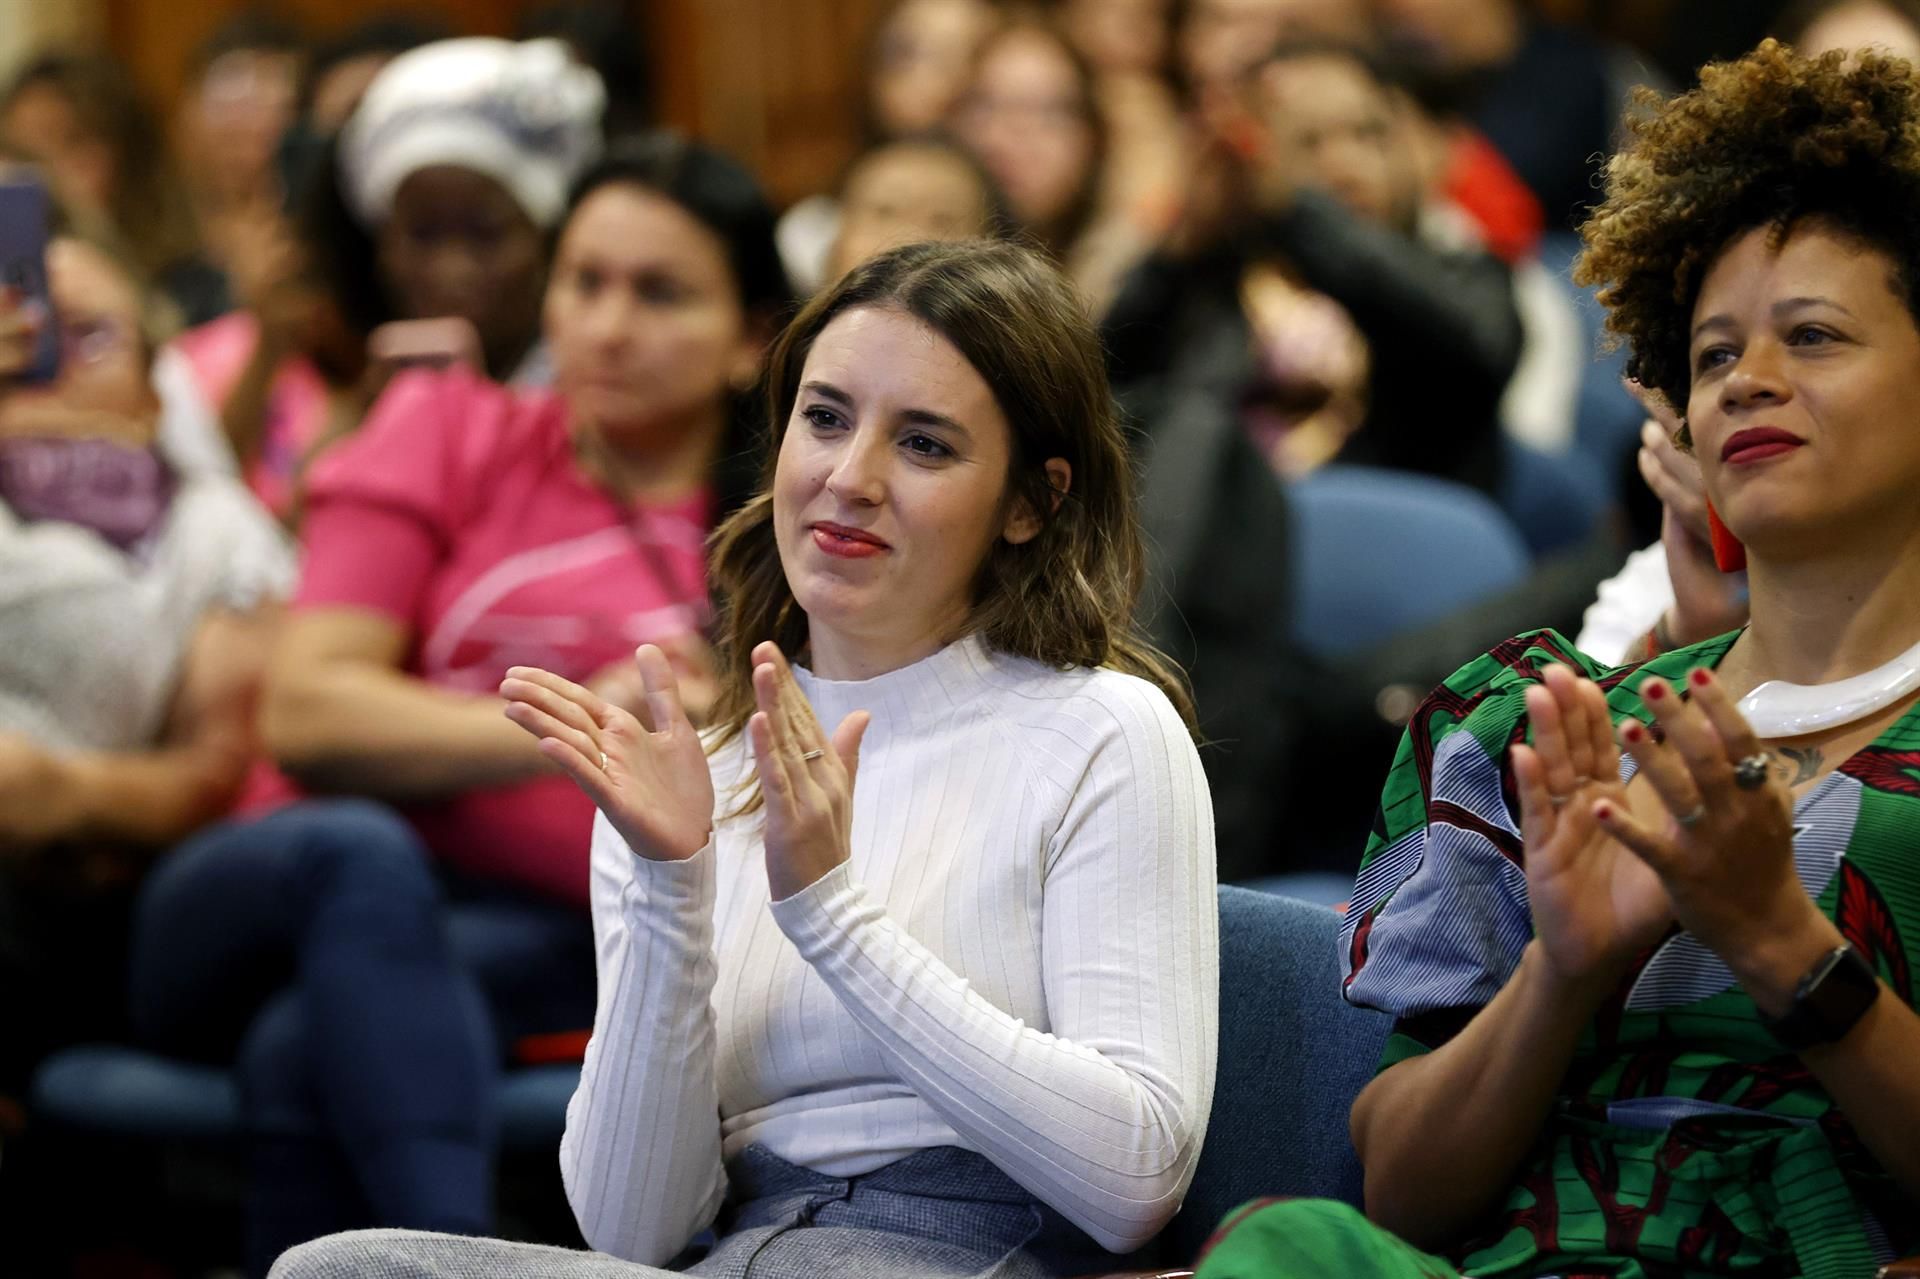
(1554, 499)
(1378, 552)
(1293, 1056)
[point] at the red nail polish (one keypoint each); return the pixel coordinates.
(1699, 677)
(1604, 812)
(1656, 691)
(1634, 733)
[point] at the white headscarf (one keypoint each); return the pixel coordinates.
(525, 114)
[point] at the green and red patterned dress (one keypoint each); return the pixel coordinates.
(1685, 1142)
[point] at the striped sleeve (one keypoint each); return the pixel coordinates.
(1439, 913)
(641, 1155)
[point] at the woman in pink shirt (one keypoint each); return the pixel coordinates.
(466, 528)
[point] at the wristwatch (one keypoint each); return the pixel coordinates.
(1830, 999)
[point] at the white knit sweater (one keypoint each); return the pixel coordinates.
(1020, 959)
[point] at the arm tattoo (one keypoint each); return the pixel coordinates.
(1797, 766)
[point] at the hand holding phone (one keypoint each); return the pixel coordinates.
(436, 344)
(21, 324)
(29, 340)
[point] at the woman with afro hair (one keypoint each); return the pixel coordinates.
(1648, 933)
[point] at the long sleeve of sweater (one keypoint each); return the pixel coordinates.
(1019, 959)
(1102, 1114)
(641, 1155)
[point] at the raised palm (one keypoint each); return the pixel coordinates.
(650, 779)
(1595, 904)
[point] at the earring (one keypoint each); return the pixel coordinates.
(1729, 555)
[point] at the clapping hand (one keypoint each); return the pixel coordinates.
(650, 779)
(1595, 904)
(1723, 846)
(806, 779)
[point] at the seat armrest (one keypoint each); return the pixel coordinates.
(1905, 1268)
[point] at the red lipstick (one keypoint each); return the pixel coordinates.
(1757, 444)
(844, 542)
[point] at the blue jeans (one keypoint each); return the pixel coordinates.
(315, 950)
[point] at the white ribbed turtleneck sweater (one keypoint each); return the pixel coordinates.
(1020, 959)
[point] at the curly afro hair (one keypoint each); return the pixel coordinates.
(1770, 140)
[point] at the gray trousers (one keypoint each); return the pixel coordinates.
(942, 1213)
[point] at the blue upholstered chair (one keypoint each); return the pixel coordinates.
(1293, 1056)
(1554, 499)
(1378, 552)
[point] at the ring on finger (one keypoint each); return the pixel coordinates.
(808, 757)
(603, 761)
(1751, 772)
(1693, 818)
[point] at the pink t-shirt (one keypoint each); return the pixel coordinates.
(459, 510)
(296, 412)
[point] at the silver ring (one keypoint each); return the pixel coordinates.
(808, 757)
(1751, 772)
(1693, 818)
(1559, 801)
(603, 761)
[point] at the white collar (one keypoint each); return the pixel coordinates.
(1778, 709)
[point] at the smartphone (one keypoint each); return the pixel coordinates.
(23, 267)
(436, 344)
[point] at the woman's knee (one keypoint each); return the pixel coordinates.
(225, 918)
(357, 1254)
(357, 841)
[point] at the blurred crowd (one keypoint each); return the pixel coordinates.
(408, 357)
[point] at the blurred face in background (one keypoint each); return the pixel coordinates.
(102, 387)
(242, 105)
(1222, 40)
(80, 163)
(1331, 126)
(457, 244)
(1452, 35)
(1120, 37)
(1028, 118)
(921, 61)
(644, 316)
(903, 194)
(1862, 25)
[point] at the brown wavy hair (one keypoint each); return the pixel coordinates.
(1771, 140)
(1064, 598)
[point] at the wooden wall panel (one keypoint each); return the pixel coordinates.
(776, 82)
(157, 39)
